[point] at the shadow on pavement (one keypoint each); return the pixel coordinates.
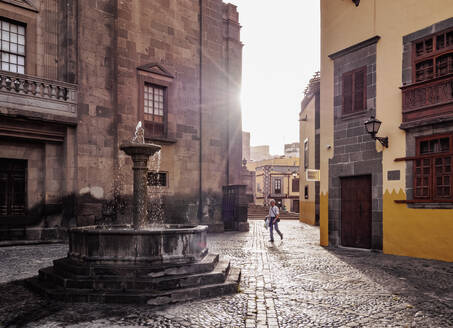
(427, 285)
(19, 306)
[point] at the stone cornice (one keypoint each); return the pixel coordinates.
(355, 47)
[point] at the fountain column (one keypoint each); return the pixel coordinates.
(140, 154)
(140, 167)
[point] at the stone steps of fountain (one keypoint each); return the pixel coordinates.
(120, 283)
(227, 286)
(76, 270)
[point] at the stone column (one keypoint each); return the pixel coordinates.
(140, 154)
(140, 168)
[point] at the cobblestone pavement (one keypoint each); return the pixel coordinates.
(292, 283)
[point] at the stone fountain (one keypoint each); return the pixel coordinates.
(137, 263)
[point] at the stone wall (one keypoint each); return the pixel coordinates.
(354, 150)
(107, 47)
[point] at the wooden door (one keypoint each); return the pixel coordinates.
(13, 192)
(296, 205)
(356, 211)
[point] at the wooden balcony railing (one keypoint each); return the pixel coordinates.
(427, 101)
(44, 97)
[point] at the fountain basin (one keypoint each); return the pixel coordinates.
(177, 244)
(133, 149)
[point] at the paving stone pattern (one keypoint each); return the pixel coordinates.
(291, 283)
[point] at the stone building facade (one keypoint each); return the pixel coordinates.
(260, 153)
(246, 146)
(292, 149)
(76, 78)
(277, 179)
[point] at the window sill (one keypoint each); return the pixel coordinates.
(353, 115)
(163, 140)
(426, 205)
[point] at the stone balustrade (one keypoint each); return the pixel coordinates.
(48, 98)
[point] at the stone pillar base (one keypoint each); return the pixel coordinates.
(216, 227)
(243, 226)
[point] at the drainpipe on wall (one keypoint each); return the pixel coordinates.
(200, 200)
(228, 112)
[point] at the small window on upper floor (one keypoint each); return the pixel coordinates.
(306, 154)
(12, 39)
(433, 56)
(154, 110)
(354, 91)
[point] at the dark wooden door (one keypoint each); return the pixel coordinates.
(12, 187)
(356, 211)
(296, 205)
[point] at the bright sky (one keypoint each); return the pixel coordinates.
(281, 53)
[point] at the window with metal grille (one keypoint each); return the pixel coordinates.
(433, 56)
(433, 176)
(354, 91)
(12, 45)
(13, 192)
(154, 110)
(277, 186)
(157, 179)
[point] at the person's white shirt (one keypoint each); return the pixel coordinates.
(273, 211)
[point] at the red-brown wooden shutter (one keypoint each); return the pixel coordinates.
(347, 93)
(359, 90)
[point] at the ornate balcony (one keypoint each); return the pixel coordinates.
(31, 96)
(428, 102)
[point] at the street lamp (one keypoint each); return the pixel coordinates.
(372, 127)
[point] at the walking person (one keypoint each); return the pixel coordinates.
(274, 214)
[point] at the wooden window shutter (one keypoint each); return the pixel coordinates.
(359, 90)
(347, 93)
(295, 186)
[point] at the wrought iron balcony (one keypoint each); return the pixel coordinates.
(428, 101)
(34, 96)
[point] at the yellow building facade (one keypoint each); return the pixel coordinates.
(277, 179)
(392, 60)
(309, 129)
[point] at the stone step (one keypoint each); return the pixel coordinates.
(70, 269)
(230, 285)
(121, 283)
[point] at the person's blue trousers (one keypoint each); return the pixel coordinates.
(271, 228)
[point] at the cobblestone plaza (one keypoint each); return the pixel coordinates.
(291, 283)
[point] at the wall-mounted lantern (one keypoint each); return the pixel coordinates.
(356, 2)
(372, 127)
